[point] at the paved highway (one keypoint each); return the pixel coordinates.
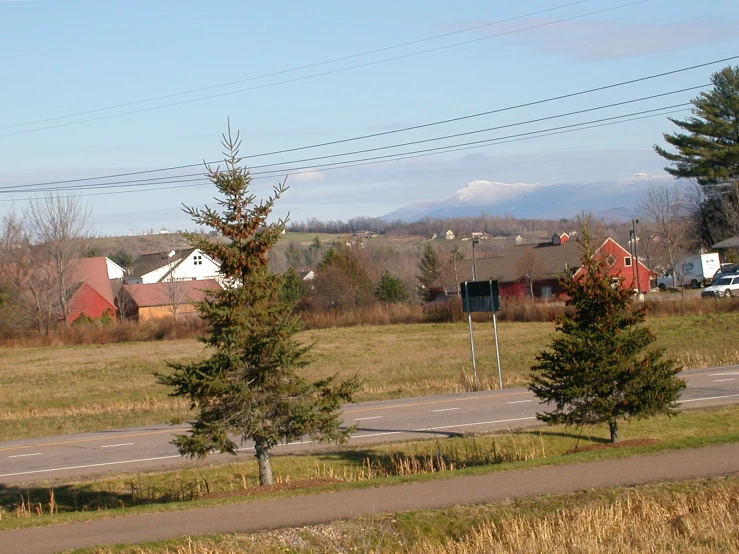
(88, 454)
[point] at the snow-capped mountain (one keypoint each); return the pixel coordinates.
(610, 199)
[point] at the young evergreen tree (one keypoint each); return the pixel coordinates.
(598, 368)
(390, 289)
(293, 287)
(249, 388)
(430, 267)
(708, 151)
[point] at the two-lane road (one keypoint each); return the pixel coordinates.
(73, 456)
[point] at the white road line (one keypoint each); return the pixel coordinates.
(695, 400)
(89, 465)
(446, 410)
(478, 423)
(114, 445)
(722, 380)
(365, 418)
(24, 455)
(296, 442)
(519, 401)
(721, 374)
(370, 435)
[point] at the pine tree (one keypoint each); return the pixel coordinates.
(598, 368)
(293, 287)
(390, 289)
(708, 151)
(249, 388)
(430, 267)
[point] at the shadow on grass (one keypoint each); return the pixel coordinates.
(26, 501)
(584, 439)
(439, 455)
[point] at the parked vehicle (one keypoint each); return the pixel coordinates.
(693, 271)
(725, 269)
(666, 281)
(727, 285)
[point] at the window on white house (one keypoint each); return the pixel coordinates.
(627, 261)
(197, 260)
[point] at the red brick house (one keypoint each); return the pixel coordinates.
(546, 262)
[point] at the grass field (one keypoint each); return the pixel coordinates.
(66, 389)
(698, 516)
(207, 484)
(305, 239)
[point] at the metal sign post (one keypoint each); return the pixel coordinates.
(472, 348)
(497, 351)
(482, 296)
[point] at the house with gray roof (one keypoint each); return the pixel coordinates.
(189, 264)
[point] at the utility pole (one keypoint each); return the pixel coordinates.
(636, 254)
(474, 260)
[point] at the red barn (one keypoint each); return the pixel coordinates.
(93, 293)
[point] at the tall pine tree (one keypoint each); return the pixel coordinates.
(598, 368)
(249, 388)
(707, 150)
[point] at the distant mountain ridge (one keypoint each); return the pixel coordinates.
(614, 200)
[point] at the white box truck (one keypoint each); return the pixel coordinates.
(693, 271)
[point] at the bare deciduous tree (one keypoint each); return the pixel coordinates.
(450, 267)
(13, 255)
(667, 209)
(530, 269)
(173, 289)
(59, 225)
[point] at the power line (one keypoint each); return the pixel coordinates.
(585, 126)
(294, 69)
(323, 74)
(398, 145)
(404, 155)
(485, 130)
(404, 129)
(441, 149)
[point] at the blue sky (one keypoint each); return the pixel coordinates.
(64, 57)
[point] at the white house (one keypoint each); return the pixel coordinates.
(177, 265)
(114, 270)
(449, 235)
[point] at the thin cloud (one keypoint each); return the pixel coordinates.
(596, 40)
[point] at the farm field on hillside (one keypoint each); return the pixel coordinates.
(66, 389)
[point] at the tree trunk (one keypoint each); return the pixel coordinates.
(613, 427)
(265, 469)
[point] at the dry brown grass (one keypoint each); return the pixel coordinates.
(99, 332)
(699, 521)
(376, 314)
